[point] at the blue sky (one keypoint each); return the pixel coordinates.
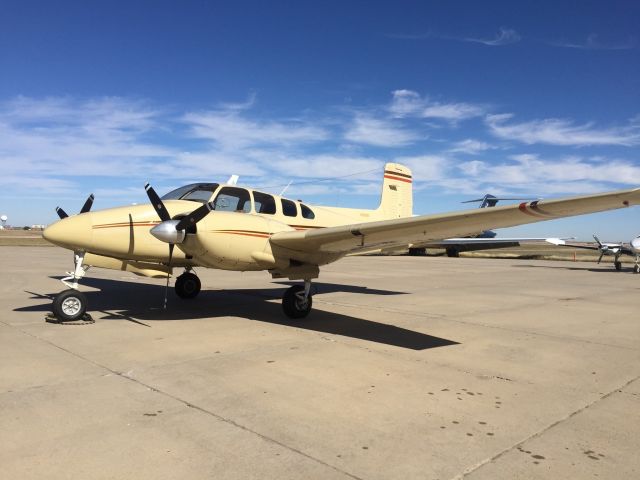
(539, 99)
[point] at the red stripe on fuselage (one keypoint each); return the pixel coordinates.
(391, 177)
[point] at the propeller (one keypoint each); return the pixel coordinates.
(172, 231)
(85, 208)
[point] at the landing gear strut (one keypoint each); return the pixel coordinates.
(71, 304)
(297, 300)
(188, 285)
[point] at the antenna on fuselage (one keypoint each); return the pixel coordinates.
(285, 188)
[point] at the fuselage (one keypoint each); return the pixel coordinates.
(235, 236)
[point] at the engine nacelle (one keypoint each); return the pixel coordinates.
(234, 241)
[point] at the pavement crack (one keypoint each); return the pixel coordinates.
(541, 432)
(188, 404)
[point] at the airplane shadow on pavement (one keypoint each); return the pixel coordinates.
(142, 303)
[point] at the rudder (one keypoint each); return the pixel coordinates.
(397, 194)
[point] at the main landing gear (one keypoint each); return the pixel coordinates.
(636, 267)
(71, 305)
(297, 300)
(187, 285)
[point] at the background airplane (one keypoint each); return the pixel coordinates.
(616, 250)
(241, 229)
(483, 241)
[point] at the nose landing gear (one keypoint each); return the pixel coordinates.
(71, 305)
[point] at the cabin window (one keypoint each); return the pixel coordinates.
(264, 202)
(289, 208)
(307, 212)
(196, 192)
(232, 199)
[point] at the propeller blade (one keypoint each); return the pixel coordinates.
(87, 205)
(194, 217)
(597, 241)
(600, 257)
(158, 206)
(61, 213)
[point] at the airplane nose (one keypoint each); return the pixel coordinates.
(635, 244)
(75, 232)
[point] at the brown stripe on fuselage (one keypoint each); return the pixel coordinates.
(398, 174)
(248, 233)
(126, 224)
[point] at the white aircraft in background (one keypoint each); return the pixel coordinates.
(610, 249)
(485, 240)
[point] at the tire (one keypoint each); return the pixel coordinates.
(188, 285)
(618, 265)
(69, 305)
(636, 269)
(293, 305)
(453, 252)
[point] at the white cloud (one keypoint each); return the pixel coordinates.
(229, 129)
(470, 146)
(527, 172)
(379, 132)
(562, 132)
(505, 36)
(593, 43)
(427, 168)
(407, 103)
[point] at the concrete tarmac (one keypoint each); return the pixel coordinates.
(408, 367)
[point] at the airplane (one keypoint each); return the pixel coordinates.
(483, 241)
(232, 228)
(612, 249)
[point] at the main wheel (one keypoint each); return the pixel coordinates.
(69, 305)
(187, 285)
(453, 252)
(294, 304)
(636, 269)
(618, 265)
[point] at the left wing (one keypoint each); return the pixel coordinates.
(403, 231)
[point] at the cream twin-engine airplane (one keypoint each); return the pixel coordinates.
(233, 228)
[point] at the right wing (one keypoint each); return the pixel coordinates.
(414, 230)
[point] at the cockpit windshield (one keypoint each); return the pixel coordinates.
(195, 192)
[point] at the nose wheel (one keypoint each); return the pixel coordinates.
(187, 285)
(297, 301)
(69, 305)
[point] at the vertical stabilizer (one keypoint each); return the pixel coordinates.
(397, 194)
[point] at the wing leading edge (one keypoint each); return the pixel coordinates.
(421, 229)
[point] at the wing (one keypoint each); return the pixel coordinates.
(477, 241)
(403, 231)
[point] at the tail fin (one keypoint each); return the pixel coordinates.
(397, 195)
